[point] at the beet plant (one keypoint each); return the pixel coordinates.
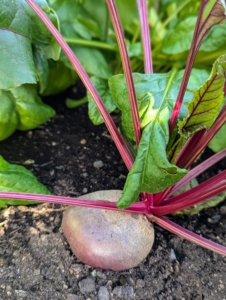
(168, 119)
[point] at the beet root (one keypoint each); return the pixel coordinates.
(107, 239)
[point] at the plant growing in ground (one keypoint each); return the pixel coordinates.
(167, 121)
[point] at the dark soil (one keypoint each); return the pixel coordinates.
(35, 259)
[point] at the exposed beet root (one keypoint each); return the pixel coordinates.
(107, 239)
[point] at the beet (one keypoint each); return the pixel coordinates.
(107, 239)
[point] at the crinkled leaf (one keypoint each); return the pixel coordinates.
(22, 109)
(207, 101)
(19, 29)
(150, 90)
(156, 94)
(92, 60)
(218, 142)
(104, 92)
(15, 178)
(151, 171)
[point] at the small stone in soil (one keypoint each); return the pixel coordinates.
(98, 164)
(85, 190)
(87, 285)
(29, 134)
(21, 293)
(172, 255)
(124, 292)
(83, 142)
(72, 297)
(223, 210)
(214, 219)
(103, 293)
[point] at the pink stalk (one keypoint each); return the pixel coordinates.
(198, 170)
(145, 34)
(200, 193)
(138, 207)
(88, 84)
(126, 67)
(189, 146)
(188, 235)
(203, 142)
(191, 57)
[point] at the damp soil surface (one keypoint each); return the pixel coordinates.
(73, 157)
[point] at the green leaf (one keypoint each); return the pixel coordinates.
(207, 101)
(16, 61)
(42, 69)
(215, 39)
(22, 109)
(75, 20)
(197, 78)
(214, 13)
(150, 91)
(15, 178)
(151, 171)
(156, 94)
(178, 39)
(218, 142)
(19, 29)
(60, 77)
(92, 60)
(104, 92)
(31, 110)
(9, 118)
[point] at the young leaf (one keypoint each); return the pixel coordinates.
(102, 87)
(156, 93)
(15, 178)
(151, 171)
(150, 92)
(207, 102)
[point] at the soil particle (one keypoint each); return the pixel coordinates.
(87, 285)
(36, 260)
(124, 292)
(103, 293)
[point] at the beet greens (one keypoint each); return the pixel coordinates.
(168, 118)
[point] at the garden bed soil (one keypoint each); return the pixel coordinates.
(36, 262)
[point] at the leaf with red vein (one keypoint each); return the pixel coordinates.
(207, 101)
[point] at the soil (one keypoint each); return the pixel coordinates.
(36, 262)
